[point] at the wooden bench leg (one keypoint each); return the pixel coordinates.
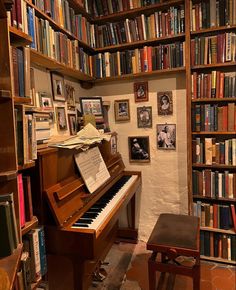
(151, 276)
(196, 278)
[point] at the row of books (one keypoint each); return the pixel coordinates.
(146, 59)
(214, 184)
(56, 45)
(42, 127)
(218, 245)
(216, 84)
(33, 259)
(214, 118)
(215, 215)
(8, 225)
(213, 13)
(158, 24)
(214, 49)
(105, 7)
(209, 151)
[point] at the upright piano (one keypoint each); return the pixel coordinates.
(81, 227)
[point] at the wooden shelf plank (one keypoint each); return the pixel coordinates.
(80, 10)
(216, 230)
(212, 30)
(213, 133)
(142, 74)
(219, 260)
(29, 225)
(136, 11)
(18, 37)
(8, 175)
(22, 100)
(5, 96)
(220, 166)
(51, 64)
(26, 166)
(11, 263)
(215, 65)
(3, 12)
(136, 44)
(213, 100)
(224, 199)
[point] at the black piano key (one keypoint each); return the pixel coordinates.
(90, 215)
(85, 221)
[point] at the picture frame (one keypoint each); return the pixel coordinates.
(72, 124)
(141, 92)
(166, 136)
(61, 118)
(70, 96)
(122, 110)
(165, 103)
(92, 106)
(144, 117)
(139, 149)
(58, 87)
(45, 101)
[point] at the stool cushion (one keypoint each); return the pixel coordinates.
(174, 230)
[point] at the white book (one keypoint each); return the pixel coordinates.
(234, 151)
(144, 26)
(220, 184)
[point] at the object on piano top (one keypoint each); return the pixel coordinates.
(84, 138)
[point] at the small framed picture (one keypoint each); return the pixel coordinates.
(165, 103)
(122, 112)
(70, 96)
(144, 117)
(61, 118)
(141, 92)
(58, 89)
(166, 136)
(45, 101)
(92, 106)
(139, 149)
(72, 124)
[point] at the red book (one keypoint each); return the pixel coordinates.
(221, 90)
(27, 198)
(233, 213)
(149, 58)
(13, 15)
(208, 182)
(217, 84)
(194, 85)
(21, 200)
(215, 215)
(208, 86)
(18, 14)
(234, 185)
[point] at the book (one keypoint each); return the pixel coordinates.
(21, 199)
(42, 250)
(27, 198)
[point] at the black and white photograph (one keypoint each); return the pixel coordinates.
(165, 103)
(61, 118)
(141, 92)
(166, 136)
(70, 96)
(122, 112)
(144, 117)
(139, 149)
(58, 87)
(72, 124)
(45, 101)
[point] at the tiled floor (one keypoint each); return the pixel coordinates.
(127, 270)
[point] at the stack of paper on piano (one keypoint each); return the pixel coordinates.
(84, 138)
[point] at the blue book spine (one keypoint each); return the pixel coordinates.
(31, 25)
(52, 10)
(42, 251)
(20, 59)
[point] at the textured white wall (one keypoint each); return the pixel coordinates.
(165, 177)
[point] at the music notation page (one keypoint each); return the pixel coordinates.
(92, 168)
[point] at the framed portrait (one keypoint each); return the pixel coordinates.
(51, 118)
(45, 101)
(61, 118)
(72, 123)
(92, 106)
(70, 96)
(165, 103)
(141, 92)
(139, 149)
(144, 117)
(58, 89)
(166, 136)
(122, 111)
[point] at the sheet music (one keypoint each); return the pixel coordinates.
(92, 168)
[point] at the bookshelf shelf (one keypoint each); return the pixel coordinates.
(214, 100)
(79, 9)
(26, 166)
(29, 226)
(217, 259)
(213, 30)
(2, 10)
(212, 66)
(51, 64)
(18, 37)
(213, 133)
(220, 199)
(135, 12)
(223, 166)
(5, 96)
(209, 229)
(141, 43)
(143, 74)
(11, 263)
(8, 175)
(22, 100)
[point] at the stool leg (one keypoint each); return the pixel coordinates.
(196, 278)
(151, 275)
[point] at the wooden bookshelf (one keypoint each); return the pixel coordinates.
(35, 284)
(80, 10)
(213, 66)
(8, 175)
(29, 226)
(219, 199)
(213, 133)
(213, 30)
(26, 166)
(214, 100)
(18, 37)
(3, 12)
(219, 260)
(22, 100)
(216, 230)
(220, 166)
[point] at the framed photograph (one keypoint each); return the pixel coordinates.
(122, 112)
(70, 96)
(58, 89)
(139, 149)
(51, 118)
(72, 124)
(165, 103)
(166, 136)
(141, 92)
(92, 106)
(61, 118)
(45, 101)
(144, 117)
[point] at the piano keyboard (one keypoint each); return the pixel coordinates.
(97, 214)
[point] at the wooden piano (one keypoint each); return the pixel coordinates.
(75, 250)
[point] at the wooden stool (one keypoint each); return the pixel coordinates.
(173, 236)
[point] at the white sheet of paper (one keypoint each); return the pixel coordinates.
(92, 168)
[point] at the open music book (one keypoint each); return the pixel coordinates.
(92, 168)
